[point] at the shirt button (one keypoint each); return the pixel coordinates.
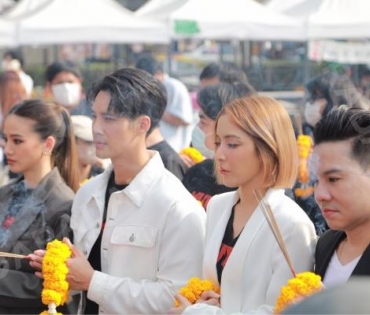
(132, 238)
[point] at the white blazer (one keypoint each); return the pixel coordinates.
(256, 269)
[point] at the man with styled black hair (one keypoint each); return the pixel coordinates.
(138, 233)
(341, 163)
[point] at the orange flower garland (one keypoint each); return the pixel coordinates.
(304, 144)
(194, 289)
(54, 271)
(193, 154)
(302, 285)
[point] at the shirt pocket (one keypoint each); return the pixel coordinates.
(133, 252)
(141, 236)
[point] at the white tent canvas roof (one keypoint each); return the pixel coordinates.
(79, 21)
(159, 9)
(7, 33)
(24, 8)
(234, 19)
(341, 19)
(295, 8)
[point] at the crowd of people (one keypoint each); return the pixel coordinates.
(106, 174)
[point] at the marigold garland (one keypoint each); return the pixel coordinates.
(302, 285)
(304, 144)
(193, 154)
(194, 289)
(54, 270)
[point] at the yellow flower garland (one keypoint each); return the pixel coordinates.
(54, 270)
(194, 289)
(193, 154)
(304, 144)
(302, 285)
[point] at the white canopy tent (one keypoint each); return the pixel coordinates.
(301, 9)
(233, 19)
(341, 19)
(7, 33)
(159, 9)
(25, 8)
(82, 21)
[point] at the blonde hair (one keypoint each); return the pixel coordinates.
(267, 122)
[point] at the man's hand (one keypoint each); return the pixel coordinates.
(80, 271)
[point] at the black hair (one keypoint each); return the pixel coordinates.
(15, 54)
(149, 64)
(210, 71)
(212, 98)
(227, 72)
(337, 90)
(134, 93)
(61, 66)
(343, 124)
(53, 120)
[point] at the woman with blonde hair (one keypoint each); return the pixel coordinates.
(255, 152)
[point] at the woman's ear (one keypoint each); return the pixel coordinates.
(49, 144)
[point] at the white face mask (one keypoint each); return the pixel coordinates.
(66, 94)
(312, 113)
(197, 140)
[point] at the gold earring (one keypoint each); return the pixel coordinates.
(47, 152)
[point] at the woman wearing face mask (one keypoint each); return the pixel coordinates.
(200, 180)
(87, 159)
(64, 85)
(328, 91)
(35, 208)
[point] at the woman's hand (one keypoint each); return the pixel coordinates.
(210, 298)
(184, 303)
(36, 261)
(188, 162)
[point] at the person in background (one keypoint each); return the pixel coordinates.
(176, 123)
(327, 92)
(13, 61)
(341, 163)
(88, 163)
(12, 91)
(35, 208)
(212, 74)
(200, 179)
(138, 232)
(255, 151)
(64, 87)
(215, 73)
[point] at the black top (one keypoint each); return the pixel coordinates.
(94, 257)
(227, 245)
(201, 182)
(170, 158)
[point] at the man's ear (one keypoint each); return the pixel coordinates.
(143, 123)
